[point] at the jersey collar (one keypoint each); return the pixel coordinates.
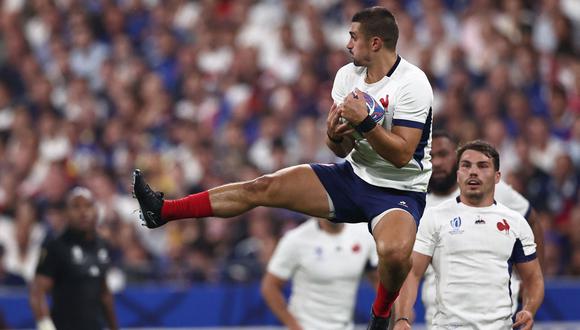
(394, 67)
(459, 200)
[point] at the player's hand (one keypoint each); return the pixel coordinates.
(334, 128)
(524, 320)
(354, 107)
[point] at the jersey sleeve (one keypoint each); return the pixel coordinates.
(49, 259)
(414, 103)
(339, 87)
(506, 195)
(427, 235)
(285, 259)
(525, 247)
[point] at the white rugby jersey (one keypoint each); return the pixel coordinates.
(325, 270)
(505, 195)
(472, 250)
(409, 96)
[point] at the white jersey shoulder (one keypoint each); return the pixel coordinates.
(323, 267)
(408, 97)
(465, 242)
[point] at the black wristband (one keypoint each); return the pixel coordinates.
(403, 319)
(366, 125)
(337, 141)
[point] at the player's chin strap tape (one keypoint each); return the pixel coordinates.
(366, 125)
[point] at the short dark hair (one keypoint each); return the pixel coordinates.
(441, 133)
(483, 147)
(378, 22)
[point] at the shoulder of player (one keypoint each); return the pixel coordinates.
(408, 72)
(302, 231)
(507, 212)
(349, 70)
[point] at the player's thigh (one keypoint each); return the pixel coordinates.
(395, 234)
(299, 188)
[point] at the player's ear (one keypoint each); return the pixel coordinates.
(376, 43)
(497, 176)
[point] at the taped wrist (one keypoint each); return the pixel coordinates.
(366, 125)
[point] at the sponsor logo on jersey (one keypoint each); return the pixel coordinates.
(356, 248)
(403, 204)
(455, 226)
(479, 221)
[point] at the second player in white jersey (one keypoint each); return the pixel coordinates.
(505, 195)
(461, 240)
(407, 97)
(325, 269)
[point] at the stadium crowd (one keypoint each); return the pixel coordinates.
(200, 93)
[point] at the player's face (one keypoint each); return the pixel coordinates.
(358, 46)
(444, 160)
(476, 176)
(82, 213)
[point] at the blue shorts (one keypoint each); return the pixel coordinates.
(355, 200)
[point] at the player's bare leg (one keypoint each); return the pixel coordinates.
(295, 188)
(394, 235)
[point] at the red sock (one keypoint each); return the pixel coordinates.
(192, 206)
(384, 301)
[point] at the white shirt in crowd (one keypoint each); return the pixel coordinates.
(472, 249)
(325, 270)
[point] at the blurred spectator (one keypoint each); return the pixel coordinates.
(21, 239)
(8, 278)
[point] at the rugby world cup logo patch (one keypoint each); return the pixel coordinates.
(455, 226)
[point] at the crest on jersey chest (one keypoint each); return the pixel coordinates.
(455, 226)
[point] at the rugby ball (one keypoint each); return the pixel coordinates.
(374, 108)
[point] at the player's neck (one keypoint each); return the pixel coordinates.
(380, 66)
(477, 202)
(331, 228)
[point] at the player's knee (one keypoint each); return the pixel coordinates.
(262, 188)
(393, 255)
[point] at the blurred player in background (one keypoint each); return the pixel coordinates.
(384, 180)
(72, 269)
(443, 186)
(472, 242)
(325, 262)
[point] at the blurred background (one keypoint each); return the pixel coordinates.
(202, 93)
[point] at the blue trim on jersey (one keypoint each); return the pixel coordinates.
(408, 123)
(518, 255)
(394, 67)
(420, 151)
(510, 269)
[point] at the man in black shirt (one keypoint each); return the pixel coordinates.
(72, 267)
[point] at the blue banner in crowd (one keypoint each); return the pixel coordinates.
(242, 305)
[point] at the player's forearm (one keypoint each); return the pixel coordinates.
(109, 310)
(533, 294)
(390, 146)
(407, 297)
(38, 303)
(277, 303)
(538, 231)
